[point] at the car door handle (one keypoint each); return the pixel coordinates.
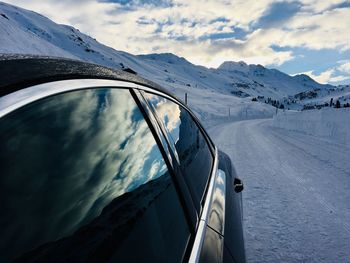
(238, 185)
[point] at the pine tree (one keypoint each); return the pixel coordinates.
(337, 104)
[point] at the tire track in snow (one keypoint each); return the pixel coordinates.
(342, 174)
(310, 189)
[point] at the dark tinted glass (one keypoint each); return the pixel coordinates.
(82, 179)
(195, 157)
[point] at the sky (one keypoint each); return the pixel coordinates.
(306, 36)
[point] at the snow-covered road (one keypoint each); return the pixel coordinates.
(297, 192)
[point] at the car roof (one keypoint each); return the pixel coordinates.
(21, 71)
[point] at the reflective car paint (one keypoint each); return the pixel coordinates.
(217, 215)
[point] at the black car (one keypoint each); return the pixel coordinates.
(99, 165)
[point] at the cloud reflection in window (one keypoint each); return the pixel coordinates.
(77, 152)
(195, 158)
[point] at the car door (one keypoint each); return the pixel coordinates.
(83, 178)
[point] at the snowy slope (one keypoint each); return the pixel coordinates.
(318, 96)
(19, 35)
(26, 32)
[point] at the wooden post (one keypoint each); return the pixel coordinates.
(186, 98)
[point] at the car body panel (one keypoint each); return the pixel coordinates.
(213, 245)
(216, 218)
(234, 239)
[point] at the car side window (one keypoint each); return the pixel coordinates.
(194, 154)
(82, 179)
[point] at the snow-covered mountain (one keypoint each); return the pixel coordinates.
(26, 32)
(236, 78)
(268, 81)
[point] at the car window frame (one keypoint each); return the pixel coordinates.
(194, 117)
(182, 187)
(207, 139)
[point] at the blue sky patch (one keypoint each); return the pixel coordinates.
(237, 33)
(220, 19)
(317, 61)
(278, 13)
(345, 4)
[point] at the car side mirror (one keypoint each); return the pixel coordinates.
(238, 185)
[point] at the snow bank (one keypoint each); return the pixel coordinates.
(218, 114)
(214, 108)
(333, 124)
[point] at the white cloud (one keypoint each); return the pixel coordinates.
(344, 67)
(179, 28)
(326, 77)
(339, 78)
